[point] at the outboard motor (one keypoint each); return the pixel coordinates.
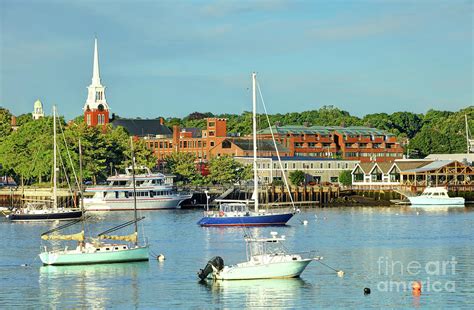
(217, 262)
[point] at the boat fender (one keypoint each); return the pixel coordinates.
(214, 263)
(366, 291)
(221, 213)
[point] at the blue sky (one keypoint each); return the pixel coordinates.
(171, 58)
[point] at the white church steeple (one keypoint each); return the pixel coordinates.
(96, 107)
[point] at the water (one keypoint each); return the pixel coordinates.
(373, 246)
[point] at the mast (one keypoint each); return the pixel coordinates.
(254, 123)
(55, 197)
(134, 189)
(80, 187)
(467, 133)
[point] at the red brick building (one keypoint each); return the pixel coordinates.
(355, 142)
(351, 143)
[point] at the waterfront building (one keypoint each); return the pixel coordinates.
(38, 110)
(384, 173)
(414, 174)
(96, 108)
(316, 170)
(352, 143)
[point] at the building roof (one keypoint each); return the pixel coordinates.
(325, 130)
(142, 127)
(431, 166)
(459, 157)
(366, 167)
(301, 158)
(407, 164)
(262, 145)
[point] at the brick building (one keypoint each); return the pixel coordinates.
(352, 143)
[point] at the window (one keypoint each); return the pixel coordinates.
(226, 144)
(211, 143)
(212, 124)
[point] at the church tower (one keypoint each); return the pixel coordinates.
(96, 109)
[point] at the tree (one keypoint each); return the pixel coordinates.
(183, 165)
(345, 177)
(225, 169)
(297, 177)
(5, 123)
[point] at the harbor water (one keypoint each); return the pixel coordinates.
(381, 248)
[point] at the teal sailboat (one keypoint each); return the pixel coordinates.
(101, 249)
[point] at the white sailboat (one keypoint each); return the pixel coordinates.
(40, 211)
(267, 258)
(96, 251)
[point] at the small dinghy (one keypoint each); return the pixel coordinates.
(267, 258)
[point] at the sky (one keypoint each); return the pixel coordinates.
(171, 58)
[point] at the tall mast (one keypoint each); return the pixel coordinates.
(55, 197)
(254, 123)
(467, 133)
(134, 189)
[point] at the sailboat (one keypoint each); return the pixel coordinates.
(237, 212)
(96, 251)
(40, 211)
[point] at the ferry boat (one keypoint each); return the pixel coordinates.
(436, 196)
(152, 193)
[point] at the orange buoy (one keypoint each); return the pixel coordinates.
(416, 288)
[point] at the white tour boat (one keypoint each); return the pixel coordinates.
(436, 196)
(267, 258)
(152, 193)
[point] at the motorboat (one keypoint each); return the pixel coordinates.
(436, 196)
(267, 258)
(153, 192)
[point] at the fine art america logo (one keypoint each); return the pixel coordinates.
(431, 274)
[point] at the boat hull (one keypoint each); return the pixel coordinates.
(422, 201)
(291, 269)
(259, 220)
(93, 204)
(51, 216)
(59, 258)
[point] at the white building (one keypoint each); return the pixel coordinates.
(317, 170)
(38, 110)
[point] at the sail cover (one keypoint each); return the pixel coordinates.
(77, 237)
(129, 238)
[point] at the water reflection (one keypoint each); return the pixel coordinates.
(89, 285)
(257, 293)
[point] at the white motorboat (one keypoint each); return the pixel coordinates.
(436, 196)
(152, 193)
(267, 258)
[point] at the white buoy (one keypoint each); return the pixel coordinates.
(305, 222)
(160, 258)
(340, 273)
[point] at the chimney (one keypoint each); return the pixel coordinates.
(175, 138)
(13, 121)
(162, 121)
